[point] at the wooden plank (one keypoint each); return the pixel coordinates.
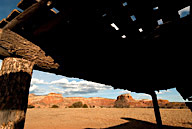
(24, 4)
(15, 45)
(52, 23)
(28, 13)
(3, 22)
(13, 14)
(15, 78)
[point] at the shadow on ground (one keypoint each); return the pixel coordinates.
(139, 124)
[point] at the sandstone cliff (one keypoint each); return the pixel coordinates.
(125, 100)
(58, 99)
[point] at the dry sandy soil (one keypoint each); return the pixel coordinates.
(112, 118)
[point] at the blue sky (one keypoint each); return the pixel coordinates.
(6, 6)
(44, 83)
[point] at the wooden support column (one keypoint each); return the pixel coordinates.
(156, 109)
(15, 78)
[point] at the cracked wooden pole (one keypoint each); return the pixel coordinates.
(15, 78)
(156, 110)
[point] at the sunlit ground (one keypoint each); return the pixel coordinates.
(117, 118)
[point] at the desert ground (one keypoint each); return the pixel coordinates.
(106, 118)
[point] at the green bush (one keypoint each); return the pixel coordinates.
(55, 106)
(77, 104)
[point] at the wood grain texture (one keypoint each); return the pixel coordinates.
(15, 78)
(24, 4)
(12, 44)
(3, 22)
(27, 14)
(12, 15)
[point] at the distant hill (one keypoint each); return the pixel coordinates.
(122, 101)
(126, 100)
(58, 99)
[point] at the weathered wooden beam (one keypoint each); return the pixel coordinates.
(28, 13)
(49, 25)
(12, 44)
(24, 4)
(15, 78)
(3, 22)
(13, 14)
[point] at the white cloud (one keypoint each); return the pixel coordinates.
(56, 90)
(60, 82)
(68, 86)
(38, 81)
(142, 96)
(35, 89)
(77, 87)
(124, 91)
(162, 92)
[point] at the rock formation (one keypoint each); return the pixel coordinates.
(126, 100)
(58, 99)
(122, 101)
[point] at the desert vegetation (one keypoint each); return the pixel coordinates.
(54, 106)
(175, 105)
(78, 104)
(122, 101)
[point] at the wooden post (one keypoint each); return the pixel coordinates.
(15, 78)
(156, 110)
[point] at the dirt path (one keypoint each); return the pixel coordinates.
(116, 118)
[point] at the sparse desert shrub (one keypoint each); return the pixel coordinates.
(92, 106)
(174, 105)
(54, 106)
(77, 105)
(168, 105)
(85, 106)
(30, 106)
(122, 106)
